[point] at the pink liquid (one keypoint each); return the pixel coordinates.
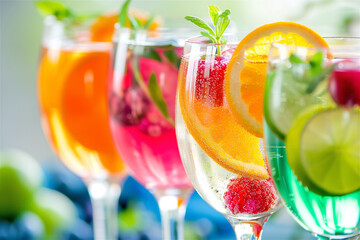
(344, 84)
(144, 138)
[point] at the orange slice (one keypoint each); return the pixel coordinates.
(246, 71)
(218, 133)
(102, 29)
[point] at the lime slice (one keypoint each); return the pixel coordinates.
(330, 150)
(293, 147)
(285, 98)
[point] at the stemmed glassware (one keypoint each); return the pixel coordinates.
(312, 131)
(141, 96)
(72, 80)
(225, 162)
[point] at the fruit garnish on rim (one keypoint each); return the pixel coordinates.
(203, 106)
(246, 72)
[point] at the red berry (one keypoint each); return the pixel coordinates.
(344, 84)
(251, 196)
(209, 86)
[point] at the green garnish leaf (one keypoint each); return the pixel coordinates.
(225, 13)
(223, 23)
(316, 63)
(220, 20)
(200, 23)
(294, 59)
(156, 95)
(206, 34)
(149, 21)
(150, 53)
(214, 13)
(172, 57)
(311, 72)
(319, 78)
(55, 8)
(123, 14)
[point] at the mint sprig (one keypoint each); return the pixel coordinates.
(56, 8)
(135, 23)
(61, 11)
(220, 21)
(315, 72)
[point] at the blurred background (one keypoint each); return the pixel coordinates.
(20, 128)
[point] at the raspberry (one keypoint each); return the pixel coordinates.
(210, 80)
(129, 109)
(252, 196)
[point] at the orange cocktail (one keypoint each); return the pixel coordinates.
(72, 94)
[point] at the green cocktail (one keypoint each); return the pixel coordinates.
(312, 134)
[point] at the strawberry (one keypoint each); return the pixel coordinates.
(251, 196)
(210, 80)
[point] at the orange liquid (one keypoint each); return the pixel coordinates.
(73, 101)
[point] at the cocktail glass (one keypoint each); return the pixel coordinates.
(141, 94)
(72, 79)
(312, 132)
(224, 162)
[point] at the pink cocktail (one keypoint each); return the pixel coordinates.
(144, 137)
(142, 89)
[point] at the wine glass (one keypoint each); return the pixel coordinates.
(224, 161)
(141, 95)
(72, 79)
(312, 133)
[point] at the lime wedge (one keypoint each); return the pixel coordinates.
(330, 150)
(293, 147)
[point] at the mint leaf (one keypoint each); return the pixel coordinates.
(220, 20)
(295, 59)
(55, 8)
(206, 34)
(156, 95)
(225, 13)
(149, 21)
(150, 53)
(138, 21)
(123, 14)
(316, 63)
(222, 25)
(200, 23)
(172, 57)
(214, 13)
(324, 72)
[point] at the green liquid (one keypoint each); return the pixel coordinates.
(325, 215)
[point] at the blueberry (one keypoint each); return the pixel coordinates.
(130, 108)
(80, 231)
(29, 226)
(129, 236)
(7, 231)
(64, 181)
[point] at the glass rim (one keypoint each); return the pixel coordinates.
(171, 35)
(204, 41)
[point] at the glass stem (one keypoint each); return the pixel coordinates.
(247, 230)
(104, 198)
(172, 206)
